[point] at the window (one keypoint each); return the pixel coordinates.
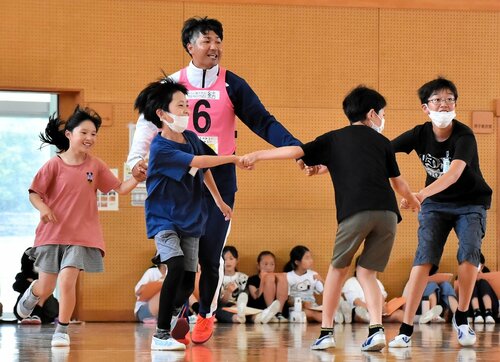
(23, 115)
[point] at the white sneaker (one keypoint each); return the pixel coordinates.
(192, 319)
(431, 314)
(489, 320)
(362, 313)
(267, 314)
(281, 318)
(465, 334)
(60, 340)
(27, 302)
(169, 344)
(478, 319)
(339, 317)
(346, 310)
(438, 319)
(324, 342)
(400, 341)
(241, 304)
(375, 342)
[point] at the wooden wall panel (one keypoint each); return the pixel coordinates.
(301, 59)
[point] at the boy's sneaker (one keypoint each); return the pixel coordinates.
(375, 342)
(27, 303)
(431, 314)
(346, 310)
(478, 319)
(167, 344)
(465, 334)
(241, 304)
(203, 329)
(267, 314)
(324, 342)
(60, 340)
(400, 341)
(489, 320)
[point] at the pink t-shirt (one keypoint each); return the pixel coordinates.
(70, 192)
(212, 114)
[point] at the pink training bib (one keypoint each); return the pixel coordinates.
(212, 115)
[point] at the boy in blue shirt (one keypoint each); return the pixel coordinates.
(175, 207)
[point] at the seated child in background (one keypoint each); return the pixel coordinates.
(43, 313)
(484, 302)
(355, 297)
(268, 290)
(147, 291)
(442, 300)
(233, 291)
(303, 282)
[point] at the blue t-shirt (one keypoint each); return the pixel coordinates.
(175, 196)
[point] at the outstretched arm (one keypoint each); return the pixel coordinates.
(442, 183)
(280, 153)
(127, 186)
(410, 201)
(212, 161)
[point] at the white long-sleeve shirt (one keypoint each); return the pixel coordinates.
(352, 290)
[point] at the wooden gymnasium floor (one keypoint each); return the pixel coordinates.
(272, 342)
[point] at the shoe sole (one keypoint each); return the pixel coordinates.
(201, 341)
(376, 347)
(180, 329)
(176, 348)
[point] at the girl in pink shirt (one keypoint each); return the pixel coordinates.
(69, 237)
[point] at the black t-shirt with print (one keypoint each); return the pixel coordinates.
(470, 188)
(360, 162)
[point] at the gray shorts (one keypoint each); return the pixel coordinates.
(56, 257)
(377, 228)
(169, 245)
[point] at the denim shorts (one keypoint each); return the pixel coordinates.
(437, 219)
(442, 290)
(143, 312)
(169, 245)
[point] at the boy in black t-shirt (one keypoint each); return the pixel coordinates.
(455, 196)
(362, 166)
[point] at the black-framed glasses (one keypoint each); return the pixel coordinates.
(449, 100)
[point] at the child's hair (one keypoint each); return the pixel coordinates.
(231, 249)
(54, 132)
(360, 101)
(296, 254)
(263, 254)
(196, 25)
(157, 95)
(425, 91)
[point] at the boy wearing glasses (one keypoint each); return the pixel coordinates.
(455, 196)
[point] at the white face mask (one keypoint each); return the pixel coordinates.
(441, 119)
(380, 128)
(179, 123)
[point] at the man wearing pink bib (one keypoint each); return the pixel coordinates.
(216, 96)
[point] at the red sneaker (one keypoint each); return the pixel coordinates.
(203, 329)
(186, 340)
